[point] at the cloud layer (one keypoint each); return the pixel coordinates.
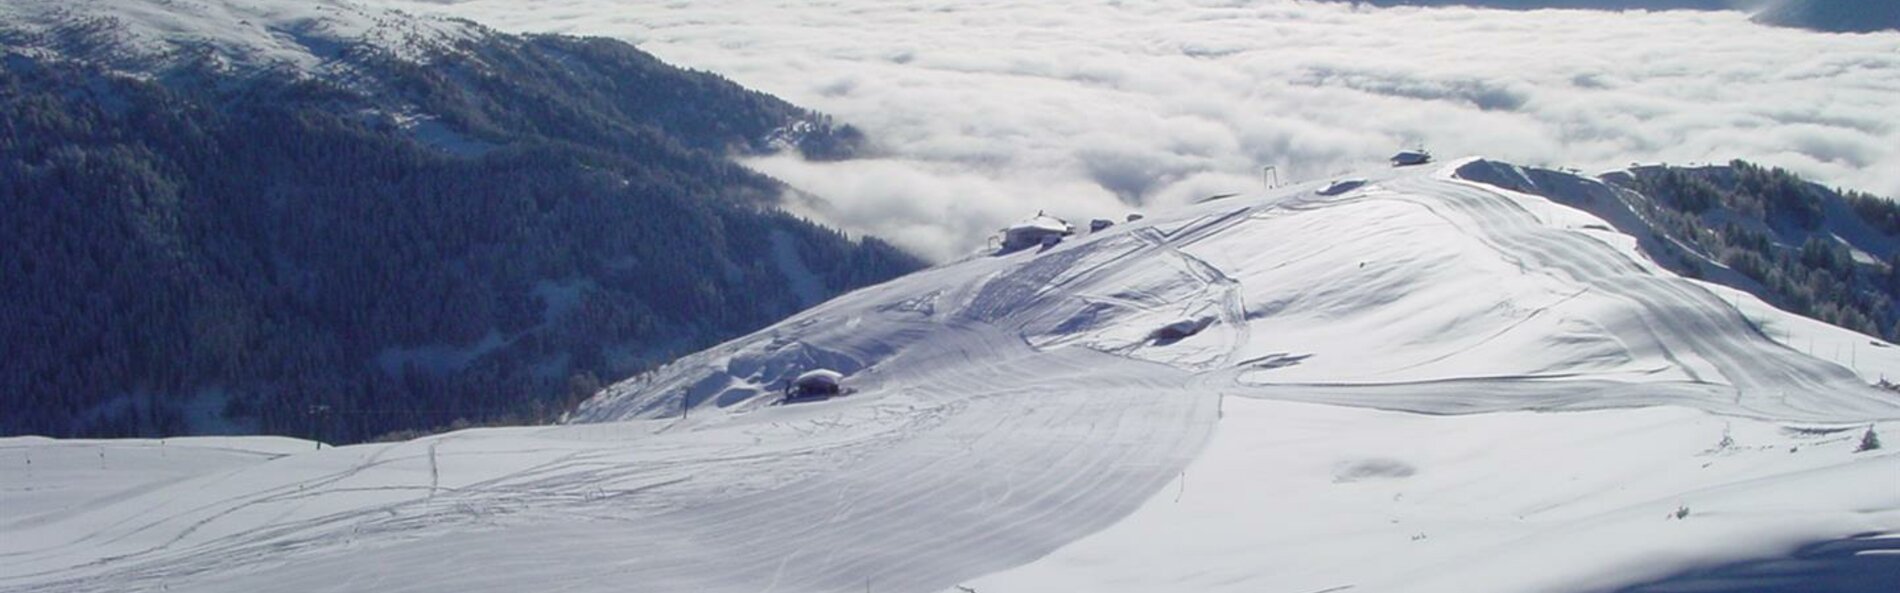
(986, 111)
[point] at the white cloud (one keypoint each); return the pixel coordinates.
(989, 111)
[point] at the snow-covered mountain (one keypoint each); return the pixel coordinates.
(1423, 383)
(310, 37)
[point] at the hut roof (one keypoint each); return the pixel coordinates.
(1042, 223)
(819, 377)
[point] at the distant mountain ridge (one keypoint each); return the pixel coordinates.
(338, 222)
(1838, 16)
(1841, 16)
(1569, 4)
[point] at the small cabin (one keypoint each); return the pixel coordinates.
(1406, 158)
(1042, 230)
(816, 383)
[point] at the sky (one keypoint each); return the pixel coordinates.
(984, 112)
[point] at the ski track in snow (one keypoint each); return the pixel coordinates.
(934, 507)
(1005, 407)
(915, 517)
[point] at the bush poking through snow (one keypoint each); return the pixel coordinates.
(1179, 330)
(1868, 441)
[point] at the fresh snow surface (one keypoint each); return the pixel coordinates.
(303, 35)
(1423, 383)
(1303, 497)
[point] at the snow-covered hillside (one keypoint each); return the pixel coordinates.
(1414, 279)
(305, 36)
(1423, 383)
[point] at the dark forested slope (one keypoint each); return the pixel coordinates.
(1829, 254)
(483, 234)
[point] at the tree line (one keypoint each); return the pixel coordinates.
(1780, 231)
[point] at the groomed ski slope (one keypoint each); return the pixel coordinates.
(1371, 400)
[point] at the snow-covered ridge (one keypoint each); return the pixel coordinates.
(306, 36)
(1411, 279)
(1017, 423)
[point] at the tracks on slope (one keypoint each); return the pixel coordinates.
(1016, 454)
